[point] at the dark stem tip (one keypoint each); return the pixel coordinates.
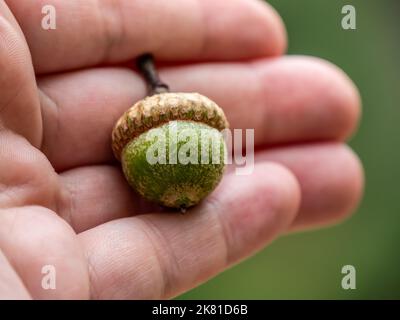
(145, 64)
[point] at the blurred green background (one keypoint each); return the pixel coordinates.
(308, 265)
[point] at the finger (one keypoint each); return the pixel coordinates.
(110, 31)
(26, 175)
(97, 194)
(330, 177)
(37, 243)
(11, 286)
(19, 102)
(284, 100)
(161, 255)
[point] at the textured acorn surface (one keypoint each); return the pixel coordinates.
(175, 185)
(158, 109)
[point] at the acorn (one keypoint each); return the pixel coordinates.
(171, 145)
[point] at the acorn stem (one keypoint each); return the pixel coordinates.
(145, 63)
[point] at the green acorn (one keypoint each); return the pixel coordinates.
(170, 145)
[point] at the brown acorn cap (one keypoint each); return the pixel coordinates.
(158, 109)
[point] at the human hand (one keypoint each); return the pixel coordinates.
(63, 199)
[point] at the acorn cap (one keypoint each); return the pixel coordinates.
(158, 109)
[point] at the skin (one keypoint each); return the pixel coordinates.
(64, 200)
